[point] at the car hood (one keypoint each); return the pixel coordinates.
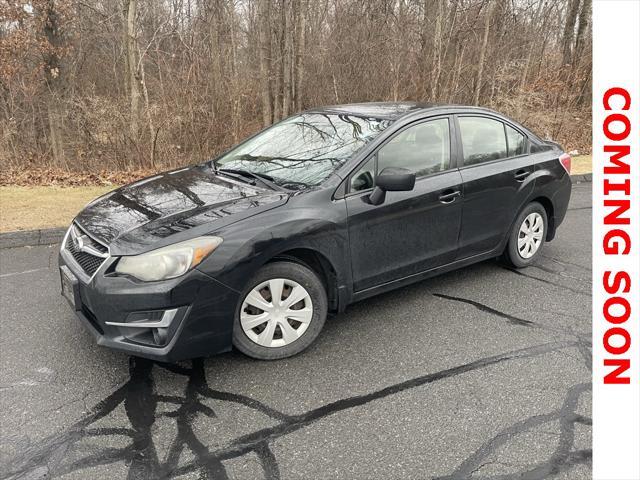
(172, 207)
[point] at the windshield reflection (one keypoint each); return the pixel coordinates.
(303, 150)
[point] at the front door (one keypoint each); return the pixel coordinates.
(412, 231)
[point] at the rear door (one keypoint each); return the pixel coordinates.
(410, 231)
(496, 174)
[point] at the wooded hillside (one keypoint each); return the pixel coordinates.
(128, 84)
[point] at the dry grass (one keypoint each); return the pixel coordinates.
(27, 208)
(580, 164)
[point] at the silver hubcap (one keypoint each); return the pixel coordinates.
(530, 235)
(276, 312)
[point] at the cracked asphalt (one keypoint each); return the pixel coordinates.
(483, 373)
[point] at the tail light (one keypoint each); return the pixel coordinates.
(565, 160)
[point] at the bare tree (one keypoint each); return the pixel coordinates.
(481, 57)
(583, 26)
(301, 13)
(287, 56)
(54, 77)
(569, 28)
(127, 84)
(133, 72)
(265, 57)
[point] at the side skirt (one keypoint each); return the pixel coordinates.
(401, 282)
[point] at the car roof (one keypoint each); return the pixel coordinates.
(394, 110)
(380, 110)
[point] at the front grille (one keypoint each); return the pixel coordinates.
(88, 262)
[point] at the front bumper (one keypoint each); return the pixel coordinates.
(202, 311)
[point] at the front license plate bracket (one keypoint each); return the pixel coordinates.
(69, 287)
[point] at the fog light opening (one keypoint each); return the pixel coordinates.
(152, 328)
(160, 336)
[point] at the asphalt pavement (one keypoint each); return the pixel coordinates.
(483, 373)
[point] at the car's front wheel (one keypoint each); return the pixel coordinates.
(281, 312)
(527, 236)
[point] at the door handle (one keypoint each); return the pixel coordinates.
(520, 175)
(449, 196)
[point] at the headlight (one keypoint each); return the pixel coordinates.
(168, 262)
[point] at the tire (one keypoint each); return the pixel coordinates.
(531, 241)
(262, 333)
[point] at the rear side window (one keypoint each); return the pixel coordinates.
(537, 148)
(483, 140)
(515, 142)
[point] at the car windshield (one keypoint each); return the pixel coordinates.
(303, 150)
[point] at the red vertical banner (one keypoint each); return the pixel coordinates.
(616, 239)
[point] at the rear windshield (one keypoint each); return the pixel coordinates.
(304, 150)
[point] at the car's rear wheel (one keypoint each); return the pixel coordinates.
(281, 311)
(527, 236)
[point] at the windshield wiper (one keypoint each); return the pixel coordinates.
(244, 174)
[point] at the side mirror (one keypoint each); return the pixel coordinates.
(392, 179)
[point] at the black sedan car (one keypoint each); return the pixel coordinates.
(327, 207)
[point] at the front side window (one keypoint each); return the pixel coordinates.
(515, 142)
(423, 148)
(483, 140)
(303, 150)
(363, 178)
